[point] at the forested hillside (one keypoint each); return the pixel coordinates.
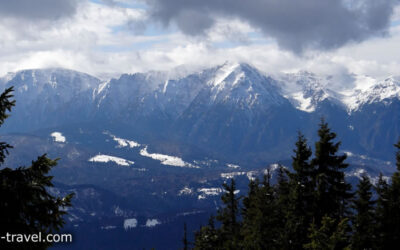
(311, 207)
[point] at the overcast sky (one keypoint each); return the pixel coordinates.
(109, 37)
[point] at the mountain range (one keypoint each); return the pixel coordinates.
(233, 110)
(145, 152)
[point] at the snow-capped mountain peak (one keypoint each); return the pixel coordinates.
(305, 90)
(384, 91)
(242, 84)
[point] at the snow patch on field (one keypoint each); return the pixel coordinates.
(130, 223)
(108, 158)
(122, 143)
(232, 166)
(152, 222)
(185, 191)
(231, 175)
(125, 143)
(58, 137)
(167, 159)
(208, 192)
(250, 175)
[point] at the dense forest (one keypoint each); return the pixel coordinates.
(310, 207)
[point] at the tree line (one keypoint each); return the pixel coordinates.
(310, 207)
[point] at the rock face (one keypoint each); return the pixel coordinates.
(232, 110)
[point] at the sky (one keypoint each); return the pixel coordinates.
(106, 38)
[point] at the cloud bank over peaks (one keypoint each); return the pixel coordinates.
(295, 25)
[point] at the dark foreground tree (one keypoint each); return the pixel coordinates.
(364, 219)
(301, 196)
(185, 239)
(207, 238)
(382, 213)
(26, 206)
(332, 194)
(228, 235)
(261, 215)
(331, 235)
(228, 216)
(394, 204)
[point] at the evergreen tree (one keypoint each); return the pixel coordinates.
(228, 216)
(251, 214)
(332, 191)
(282, 204)
(261, 228)
(388, 208)
(185, 240)
(364, 219)
(249, 200)
(394, 205)
(5, 105)
(301, 206)
(383, 216)
(26, 206)
(329, 236)
(207, 238)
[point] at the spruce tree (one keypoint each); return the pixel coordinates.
(388, 208)
(383, 216)
(228, 216)
(208, 237)
(26, 205)
(5, 106)
(331, 235)
(282, 207)
(364, 219)
(261, 219)
(332, 191)
(394, 205)
(251, 214)
(301, 206)
(185, 240)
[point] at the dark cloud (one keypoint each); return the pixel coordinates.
(296, 25)
(38, 9)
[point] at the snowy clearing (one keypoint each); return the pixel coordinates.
(108, 158)
(58, 137)
(152, 222)
(130, 223)
(167, 159)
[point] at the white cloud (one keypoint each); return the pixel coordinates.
(72, 43)
(98, 39)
